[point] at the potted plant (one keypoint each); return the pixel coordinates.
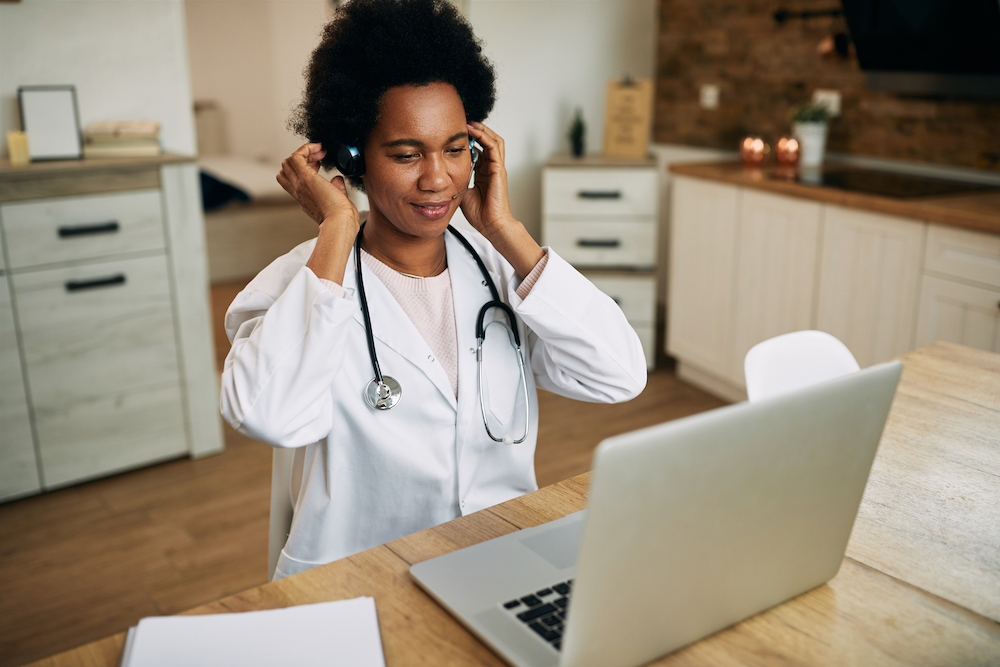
(577, 134)
(809, 125)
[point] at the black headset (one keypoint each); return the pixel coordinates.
(350, 161)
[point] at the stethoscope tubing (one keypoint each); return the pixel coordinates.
(364, 306)
(384, 398)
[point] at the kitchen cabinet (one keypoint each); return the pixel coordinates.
(703, 252)
(776, 270)
(747, 265)
(601, 216)
(108, 311)
(960, 289)
(868, 282)
(18, 467)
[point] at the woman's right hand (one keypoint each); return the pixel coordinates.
(325, 202)
(322, 200)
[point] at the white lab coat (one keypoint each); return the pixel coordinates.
(299, 364)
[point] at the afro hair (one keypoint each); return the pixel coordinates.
(372, 45)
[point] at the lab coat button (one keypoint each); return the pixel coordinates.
(430, 358)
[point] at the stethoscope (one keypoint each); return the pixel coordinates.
(384, 392)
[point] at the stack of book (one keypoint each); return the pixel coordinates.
(128, 138)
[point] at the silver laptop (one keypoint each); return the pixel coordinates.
(691, 526)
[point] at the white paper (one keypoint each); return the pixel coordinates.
(344, 632)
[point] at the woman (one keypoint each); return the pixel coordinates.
(404, 82)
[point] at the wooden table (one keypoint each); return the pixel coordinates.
(920, 584)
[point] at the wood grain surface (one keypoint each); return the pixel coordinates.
(979, 211)
(863, 616)
(60, 178)
(930, 514)
(84, 562)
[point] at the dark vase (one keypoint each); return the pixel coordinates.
(578, 147)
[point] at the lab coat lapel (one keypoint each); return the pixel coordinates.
(470, 295)
(392, 327)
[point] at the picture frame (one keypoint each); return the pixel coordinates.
(50, 118)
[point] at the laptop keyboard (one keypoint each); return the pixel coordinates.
(544, 611)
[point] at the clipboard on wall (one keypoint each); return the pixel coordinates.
(628, 114)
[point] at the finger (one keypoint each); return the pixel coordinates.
(288, 170)
(339, 183)
(315, 159)
(305, 149)
(285, 184)
(485, 132)
(489, 140)
(302, 167)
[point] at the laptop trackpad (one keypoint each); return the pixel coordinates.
(560, 546)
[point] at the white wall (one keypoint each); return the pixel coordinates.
(551, 57)
(248, 56)
(127, 59)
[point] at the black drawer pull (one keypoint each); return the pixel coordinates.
(77, 285)
(599, 194)
(598, 243)
(83, 230)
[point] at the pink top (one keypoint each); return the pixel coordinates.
(429, 304)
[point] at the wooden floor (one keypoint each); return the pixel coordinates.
(84, 562)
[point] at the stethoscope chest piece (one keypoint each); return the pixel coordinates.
(383, 395)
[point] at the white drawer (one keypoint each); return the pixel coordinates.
(102, 366)
(963, 254)
(635, 295)
(108, 434)
(95, 329)
(599, 192)
(603, 242)
(88, 227)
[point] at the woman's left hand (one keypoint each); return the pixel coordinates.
(486, 205)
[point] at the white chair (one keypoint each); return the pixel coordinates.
(794, 360)
(286, 478)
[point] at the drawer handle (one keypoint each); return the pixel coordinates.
(598, 243)
(599, 194)
(77, 285)
(83, 230)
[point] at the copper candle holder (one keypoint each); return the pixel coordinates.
(787, 151)
(753, 150)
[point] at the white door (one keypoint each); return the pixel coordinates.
(703, 252)
(869, 273)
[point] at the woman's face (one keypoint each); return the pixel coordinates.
(417, 159)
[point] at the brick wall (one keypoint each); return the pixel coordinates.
(764, 70)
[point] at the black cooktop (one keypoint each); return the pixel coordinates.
(889, 184)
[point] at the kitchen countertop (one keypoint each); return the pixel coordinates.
(979, 211)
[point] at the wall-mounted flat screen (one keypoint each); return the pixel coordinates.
(928, 47)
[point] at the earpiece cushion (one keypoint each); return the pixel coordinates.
(350, 161)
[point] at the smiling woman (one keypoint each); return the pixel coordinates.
(395, 96)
